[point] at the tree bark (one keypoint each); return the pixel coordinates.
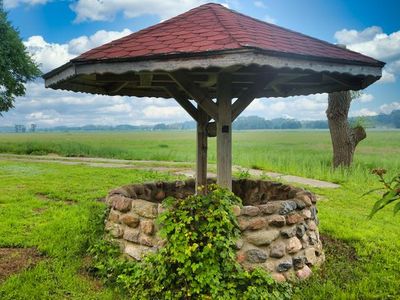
(344, 138)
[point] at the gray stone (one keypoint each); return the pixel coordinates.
(300, 204)
(288, 232)
(287, 207)
(262, 237)
(312, 238)
(284, 266)
(311, 258)
(298, 262)
(239, 244)
(116, 231)
(278, 250)
(314, 216)
(137, 251)
(256, 256)
(300, 230)
(251, 211)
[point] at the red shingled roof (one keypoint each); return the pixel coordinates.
(212, 27)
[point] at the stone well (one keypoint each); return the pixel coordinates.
(279, 223)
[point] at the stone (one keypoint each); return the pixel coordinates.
(243, 223)
(262, 237)
(122, 203)
(236, 210)
(278, 250)
(300, 230)
(270, 208)
(249, 210)
(130, 220)
(147, 227)
(240, 257)
(306, 213)
(312, 238)
(305, 197)
(136, 251)
(256, 223)
(300, 204)
(298, 262)
(294, 219)
(116, 231)
(145, 208)
(160, 208)
(113, 216)
(311, 258)
(239, 244)
(278, 277)
(131, 234)
(284, 266)
(147, 240)
(288, 232)
(293, 245)
(311, 225)
(314, 216)
(304, 273)
(277, 221)
(256, 256)
(159, 196)
(287, 207)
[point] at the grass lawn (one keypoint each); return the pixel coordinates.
(54, 207)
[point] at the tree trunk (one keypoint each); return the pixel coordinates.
(344, 138)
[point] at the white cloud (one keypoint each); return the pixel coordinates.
(364, 112)
(312, 107)
(8, 4)
(269, 19)
(96, 10)
(388, 108)
(373, 42)
(365, 97)
(259, 4)
(52, 55)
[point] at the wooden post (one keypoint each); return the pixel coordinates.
(224, 131)
(201, 163)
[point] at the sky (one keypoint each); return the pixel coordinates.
(56, 31)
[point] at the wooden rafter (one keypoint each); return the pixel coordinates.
(195, 92)
(146, 79)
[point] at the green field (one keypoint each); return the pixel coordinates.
(55, 209)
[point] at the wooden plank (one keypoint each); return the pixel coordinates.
(250, 94)
(202, 145)
(224, 131)
(195, 92)
(184, 102)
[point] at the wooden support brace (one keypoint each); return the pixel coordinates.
(250, 94)
(224, 131)
(184, 102)
(146, 79)
(196, 93)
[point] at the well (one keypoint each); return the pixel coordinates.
(279, 223)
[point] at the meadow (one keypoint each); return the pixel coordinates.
(55, 207)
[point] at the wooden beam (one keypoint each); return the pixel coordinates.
(195, 92)
(184, 102)
(202, 145)
(116, 87)
(250, 94)
(224, 131)
(146, 79)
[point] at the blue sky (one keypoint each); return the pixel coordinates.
(56, 31)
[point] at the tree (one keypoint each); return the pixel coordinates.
(344, 138)
(16, 66)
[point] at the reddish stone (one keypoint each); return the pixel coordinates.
(304, 273)
(277, 221)
(257, 223)
(121, 203)
(130, 220)
(294, 219)
(251, 211)
(147, 227)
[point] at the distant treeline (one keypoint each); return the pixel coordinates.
(391, 120)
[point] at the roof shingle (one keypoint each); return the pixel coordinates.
(212, 27)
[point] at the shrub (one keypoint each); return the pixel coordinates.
(198, 260)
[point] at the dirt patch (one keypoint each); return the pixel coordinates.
(338, 248)
(15, 260)
(45, 197)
